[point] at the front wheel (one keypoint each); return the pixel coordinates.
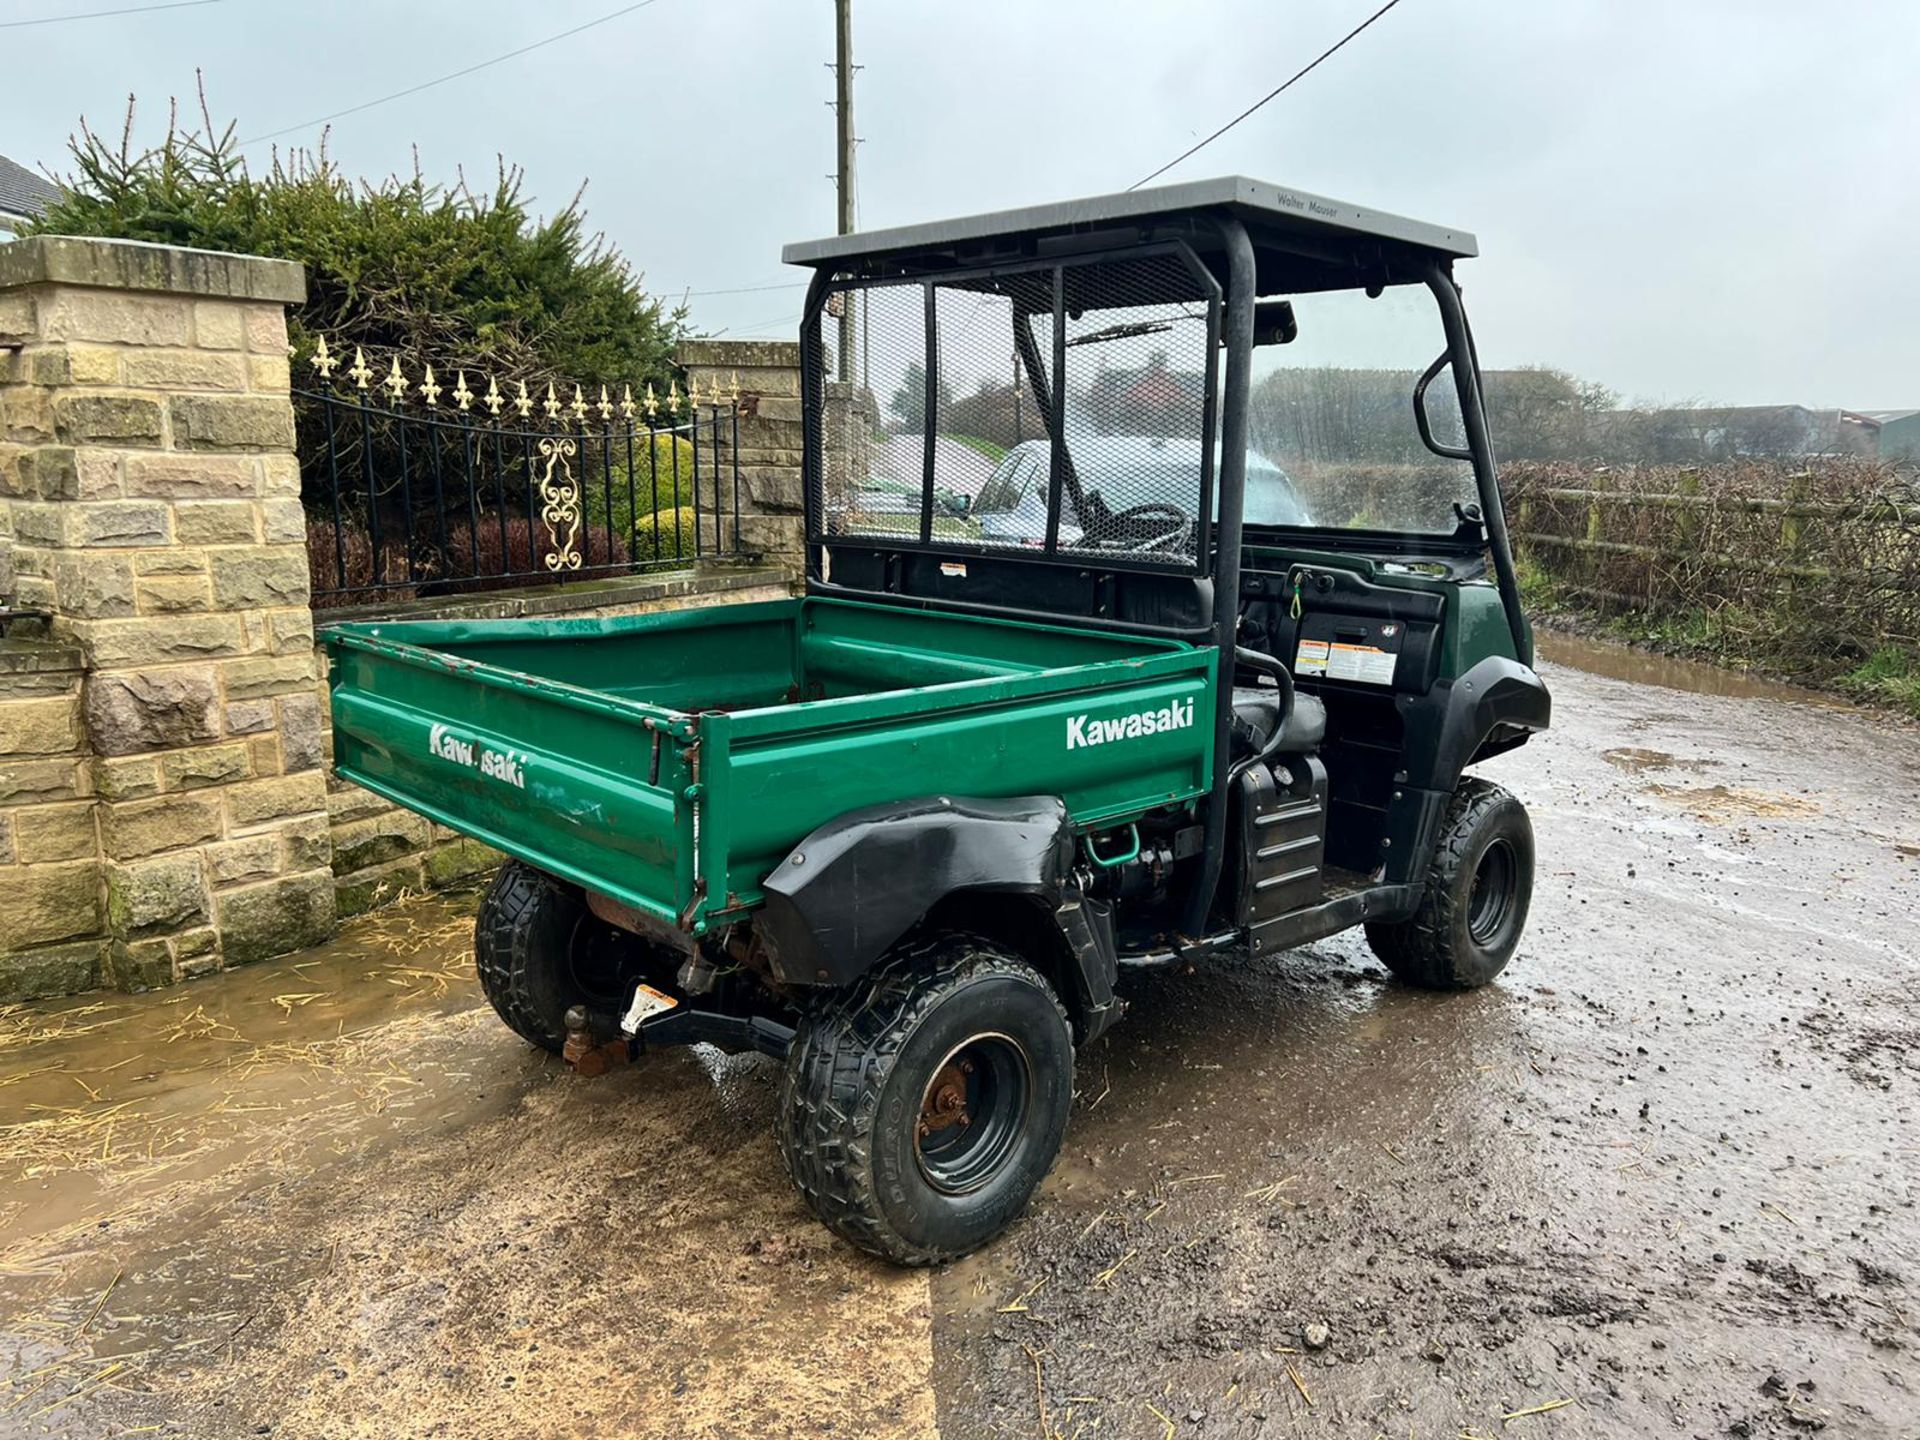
(1479, 886)
(918, 1113)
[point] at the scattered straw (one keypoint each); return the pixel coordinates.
(1513, 1415)
(1299, 1384)
(1105, 1277)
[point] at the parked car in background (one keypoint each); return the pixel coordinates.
(1136, 486)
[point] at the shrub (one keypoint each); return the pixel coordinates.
(340, 557)
(652, 480)
(667, 535)
(518, 545)
(443, 274)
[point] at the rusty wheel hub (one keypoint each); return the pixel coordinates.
(946, 1098)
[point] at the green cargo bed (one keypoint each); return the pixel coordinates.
(670, 761)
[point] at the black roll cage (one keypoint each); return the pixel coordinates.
(1215, 573)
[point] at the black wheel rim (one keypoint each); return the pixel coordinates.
(1495, 885)
(600, 964)
(972, 1113)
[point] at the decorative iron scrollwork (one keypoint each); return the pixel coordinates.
(562, 505)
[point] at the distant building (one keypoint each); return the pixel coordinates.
(23, 196)
(1897, 432)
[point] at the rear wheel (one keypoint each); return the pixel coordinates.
(540, 950)
(918, 1113)
(1479, 886)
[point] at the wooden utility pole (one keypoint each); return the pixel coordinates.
(843, 125)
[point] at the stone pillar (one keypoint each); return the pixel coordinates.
(767, 373)
(146, 462)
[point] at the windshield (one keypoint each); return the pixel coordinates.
(1334, 409)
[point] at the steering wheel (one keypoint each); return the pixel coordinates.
(1150, 512)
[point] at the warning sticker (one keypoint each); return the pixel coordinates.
(1335, 660)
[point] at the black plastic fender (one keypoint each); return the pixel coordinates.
(853, 887)
(1493, 707)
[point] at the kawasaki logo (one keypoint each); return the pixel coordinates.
(504, 766)
(1083, 731)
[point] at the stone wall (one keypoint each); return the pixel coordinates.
(146, 465)
(767, 375)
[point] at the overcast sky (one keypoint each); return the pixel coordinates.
(1713, 199)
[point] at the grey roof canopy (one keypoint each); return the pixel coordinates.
(1316, 235)
(22, 192)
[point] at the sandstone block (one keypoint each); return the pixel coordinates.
(249, 717)
(43, 472)
(457, 860)
(90, 419)
(292, 631)
(273, 918)
(263, 675)
(255, 579)
(126, 779)
(218, 325)
(263, 753)
(136, 965)
(207, 765)
(172, 594)
(125, 319)
(94, 585)
(93, 364)
(279, 475)
(117, 522)
(169, 893)
(231, 422)
(173, 476)
(232, 862)
(266, 329)
(171, 561)
(283, 522)
(49, 971)
(307, 843)
(49, 726)
(117, 644)
(362, 844)
(8, 851)
(128, 711)
(272, 374)
(256, 802)
(183, 370)
(46, 833)
(43, 903)
(133, 829)
(300, 732)
(216, 522)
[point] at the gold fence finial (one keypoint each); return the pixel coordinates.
(693, 398)
(396, 383)
(626, 403)
(360, 371)
(324, 360)
(652, 406)
(733, 388)
(578, 405)
(493, 399)
(605, 407)
(430, 392)
(523, 402)
(462, 396)
(551, 404)
(673, 398)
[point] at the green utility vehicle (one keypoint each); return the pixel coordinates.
(1028, 730)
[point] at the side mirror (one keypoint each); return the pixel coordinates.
(1274, 323)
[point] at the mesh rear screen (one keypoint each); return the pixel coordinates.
(1093, 441)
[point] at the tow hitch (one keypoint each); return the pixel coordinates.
(734, 1034)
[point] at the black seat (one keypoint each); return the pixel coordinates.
(1256, 707)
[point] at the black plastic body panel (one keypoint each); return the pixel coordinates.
(857, 884)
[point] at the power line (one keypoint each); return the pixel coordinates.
(443, 79)
(105, 14)
(745, 289)
(1299, 74)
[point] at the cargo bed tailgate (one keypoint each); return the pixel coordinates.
(503, 756)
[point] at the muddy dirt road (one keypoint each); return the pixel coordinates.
(1660, 1180)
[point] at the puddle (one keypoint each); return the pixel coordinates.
(1635, 760)
(1615, 661)
(1731, 802)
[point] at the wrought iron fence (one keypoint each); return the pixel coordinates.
(416, 489)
